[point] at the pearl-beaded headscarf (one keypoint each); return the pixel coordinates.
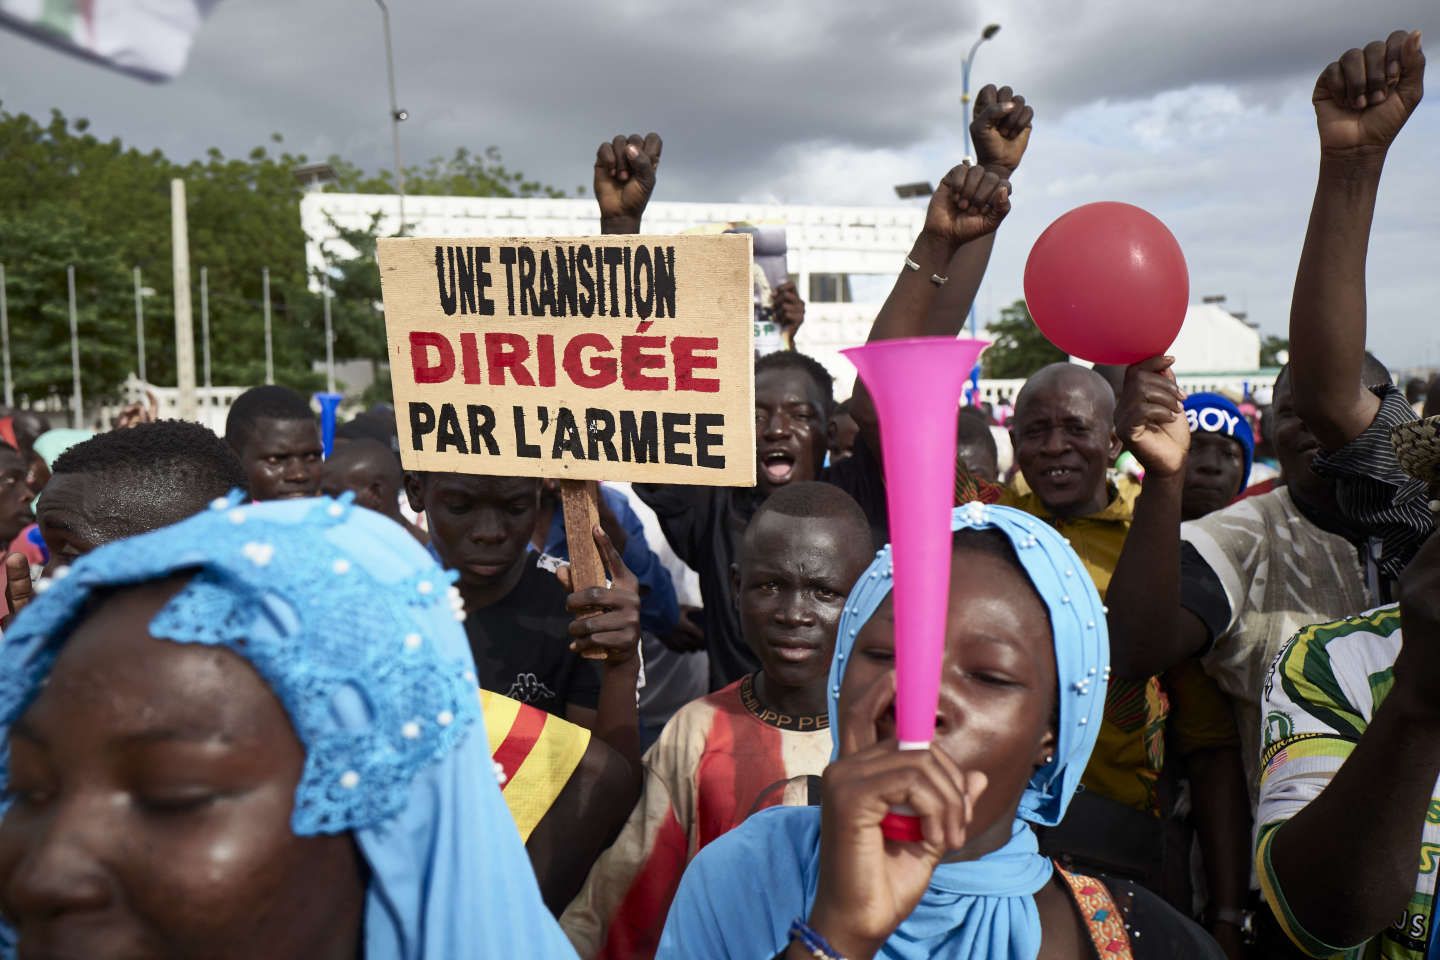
(982, 909)
(356, 630)
(1082, 643)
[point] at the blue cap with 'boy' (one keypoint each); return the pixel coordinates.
(1212, 413)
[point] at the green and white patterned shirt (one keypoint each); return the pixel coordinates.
(1322, 692)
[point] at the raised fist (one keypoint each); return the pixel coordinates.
(624, 179)
(1364, 98)
(789, 311)
(1000, 129)
(970, 202)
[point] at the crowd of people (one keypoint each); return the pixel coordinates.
(256, 701)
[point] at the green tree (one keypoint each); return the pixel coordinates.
(357, 309)
(244, 217)
(39, 293)
(1271, 349)
(464, 174)
(67, 196)
(1018, 347)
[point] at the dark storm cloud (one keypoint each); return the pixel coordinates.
(735, 87)
(1197, 111)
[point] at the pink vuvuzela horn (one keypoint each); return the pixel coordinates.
(916, 386)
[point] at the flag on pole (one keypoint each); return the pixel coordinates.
(149, 39)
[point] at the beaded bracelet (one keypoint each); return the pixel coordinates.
(818, 946)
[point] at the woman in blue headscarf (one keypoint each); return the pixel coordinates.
(255, 733)
(1022, 692)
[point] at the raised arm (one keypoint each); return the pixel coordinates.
(1361, 102)
(970, 204)
(625, 175)
(1150, 631)
(1366, 824)
(607, 628)
(955, 241)
(1001, 130)
(581, 823)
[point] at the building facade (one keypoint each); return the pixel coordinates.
(843, 259)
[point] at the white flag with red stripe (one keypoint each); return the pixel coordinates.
(145, 38)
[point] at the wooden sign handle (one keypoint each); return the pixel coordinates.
(582, 515)
(578, 498)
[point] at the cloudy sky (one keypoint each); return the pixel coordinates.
(1197, 111)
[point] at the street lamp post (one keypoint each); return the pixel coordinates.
(140, 324)
(965, 65)
(77, 401)
(989, 31)
(205, 326)
(5, 340)
(188, 407)
(329, 332)
(269, 345)
(396, 114)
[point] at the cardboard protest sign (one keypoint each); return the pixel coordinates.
(584, 358)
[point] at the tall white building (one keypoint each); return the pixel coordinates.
(843, 259)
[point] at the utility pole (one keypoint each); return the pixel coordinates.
(205, 325)
(269, 349)
(329, 334)
(140, 324)
(184, 322)
(396, 114)
(5, 340)
(77, 401)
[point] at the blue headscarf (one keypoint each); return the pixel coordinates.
(741, 893)
(354, 627)
(1212, 413)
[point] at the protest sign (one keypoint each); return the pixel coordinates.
(584, 358)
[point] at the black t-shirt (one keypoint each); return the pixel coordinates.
(522, 646)
(703, 525)
(863, 477)
(1202, 593)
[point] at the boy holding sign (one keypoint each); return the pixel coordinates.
(519, 616)
(571, 358)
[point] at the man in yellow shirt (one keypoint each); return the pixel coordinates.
(1065, 441)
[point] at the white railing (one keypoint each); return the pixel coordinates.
(1232, 384)
(214, 403)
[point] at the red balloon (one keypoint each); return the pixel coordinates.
(1107, 283)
